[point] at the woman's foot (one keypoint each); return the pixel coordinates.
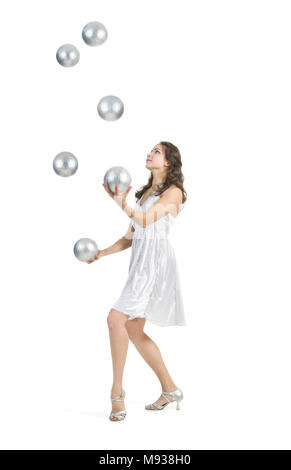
(117, 399)
(160, 401)
(166, 398)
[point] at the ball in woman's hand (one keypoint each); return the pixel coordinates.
(85, 249)
(117, 175)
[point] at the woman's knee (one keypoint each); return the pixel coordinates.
(115, 319)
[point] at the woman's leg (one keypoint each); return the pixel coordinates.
(119, 346)
(151, 354)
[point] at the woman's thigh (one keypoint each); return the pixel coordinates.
(135, 327)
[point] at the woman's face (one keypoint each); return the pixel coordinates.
(156, 158)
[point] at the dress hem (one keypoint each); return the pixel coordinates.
(149, 319)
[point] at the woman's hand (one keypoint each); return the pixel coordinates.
(99, 255)
(119, 198)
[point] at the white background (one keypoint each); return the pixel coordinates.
(212, 77)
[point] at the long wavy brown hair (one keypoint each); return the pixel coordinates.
(174, 173)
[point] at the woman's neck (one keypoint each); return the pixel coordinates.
(157, 183)
(158, 179)
(154, 187)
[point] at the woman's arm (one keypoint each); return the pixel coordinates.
(122, 244)
(169, 202)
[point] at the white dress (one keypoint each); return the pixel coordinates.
(152, 289)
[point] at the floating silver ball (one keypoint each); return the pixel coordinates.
(68, 55)
(120, 176)
(85, 249)
(65, 164)
(94, 33)
(110, 108)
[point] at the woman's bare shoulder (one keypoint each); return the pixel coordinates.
(173, 190)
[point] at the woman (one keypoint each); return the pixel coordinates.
(152, 291)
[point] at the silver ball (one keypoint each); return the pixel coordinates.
(65, 164)
(85, 249)
(94, 33)
(117, 175)
(110, 108)
(68, 55)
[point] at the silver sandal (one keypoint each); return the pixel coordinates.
(119, 415)
(177, 396)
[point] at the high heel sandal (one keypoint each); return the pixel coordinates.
(119, 415)
(177, 396)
